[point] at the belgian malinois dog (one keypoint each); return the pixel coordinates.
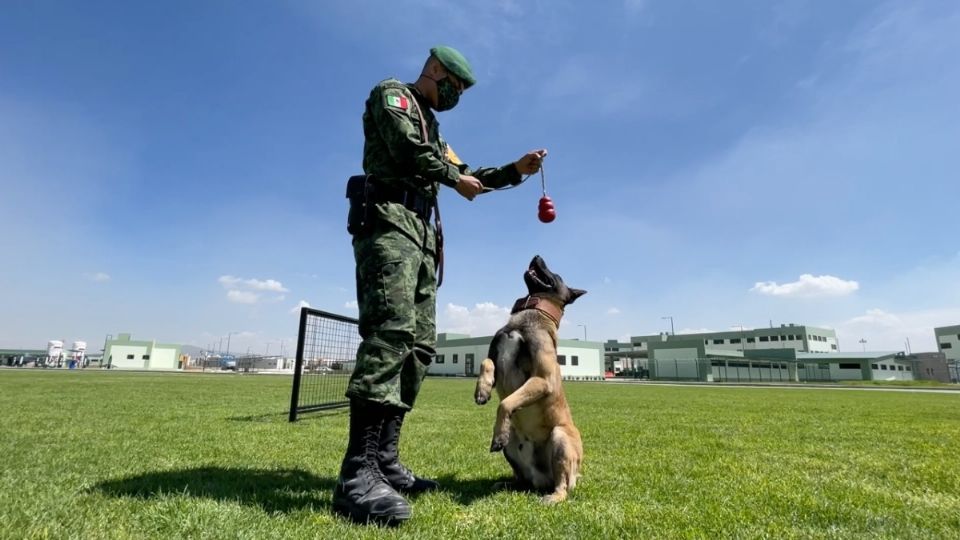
(534, 428)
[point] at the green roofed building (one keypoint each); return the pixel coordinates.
(125, 353)
(788, 353)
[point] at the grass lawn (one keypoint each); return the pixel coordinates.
(134, 455)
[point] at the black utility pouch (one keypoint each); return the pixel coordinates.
(359, 216)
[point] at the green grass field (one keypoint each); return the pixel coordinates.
(135, 455)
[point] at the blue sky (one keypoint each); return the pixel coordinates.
(176, 169)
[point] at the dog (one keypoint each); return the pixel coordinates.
(534, 428)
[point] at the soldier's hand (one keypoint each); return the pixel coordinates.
(469, 187)
(531, 161)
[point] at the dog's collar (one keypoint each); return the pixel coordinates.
(547, 307)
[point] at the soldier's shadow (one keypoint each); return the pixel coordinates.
(467, 491)
(283, 490)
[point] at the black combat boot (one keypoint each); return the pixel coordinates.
(362, 493)
(397, 475)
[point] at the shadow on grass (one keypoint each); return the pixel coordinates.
(285, 416)
(286, 490)
(466, 492)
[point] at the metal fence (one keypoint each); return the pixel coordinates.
(326, 353)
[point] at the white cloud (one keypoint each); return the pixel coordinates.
(271, 285)
(99, 277)
(694, 331)
(295, 310)
(807, 286)
(886, 330)
(352, 304)
(242, 297)
(483, 320)
(613, 311)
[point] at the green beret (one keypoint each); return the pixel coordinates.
(455, 63)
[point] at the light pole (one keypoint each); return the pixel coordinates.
(671, 324)
(584, 331)
(268, 349)
(864, 343)
(228, 341)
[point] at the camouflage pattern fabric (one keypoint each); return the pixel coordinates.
(396, 278)
(397, 294)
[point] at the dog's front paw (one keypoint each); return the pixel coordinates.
(499, 442)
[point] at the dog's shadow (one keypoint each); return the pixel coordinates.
(273, 490)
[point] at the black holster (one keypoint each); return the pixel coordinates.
(359, 218)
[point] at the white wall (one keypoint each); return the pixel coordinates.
(163, 358)
(120, 353)
(892, 373)
(953, 340)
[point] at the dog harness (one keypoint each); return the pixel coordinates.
(547, 307)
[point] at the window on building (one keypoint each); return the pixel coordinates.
(946, 345)
(454, 360)
(873, 366)
(809, 336)
(718, 342)
(849, 366)
(751, 340)
(883, 367)
(899, 368)
(574, 360)
(706, 342)
(562, 359)
(908, 368)
(833, 346)
(774, 338)
(129, 357)
(146, 357)
(790, 337)
(439, 359)
(735, 340)
(764, 338)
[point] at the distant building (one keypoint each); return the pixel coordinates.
(460, 354)
(124, 353)
(930, 366)
(948, 342)
(801, 338)
(788, 353)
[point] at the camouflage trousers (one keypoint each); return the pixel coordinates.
(397, 297)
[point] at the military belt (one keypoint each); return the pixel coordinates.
(408, 198)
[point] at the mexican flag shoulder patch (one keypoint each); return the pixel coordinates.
(398, 102)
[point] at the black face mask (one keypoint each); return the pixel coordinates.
(447, 94)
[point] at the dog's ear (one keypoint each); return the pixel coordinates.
(576, 293)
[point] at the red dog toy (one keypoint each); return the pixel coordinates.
(545, 210)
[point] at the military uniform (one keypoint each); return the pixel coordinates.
(396, 248)
(396, 260)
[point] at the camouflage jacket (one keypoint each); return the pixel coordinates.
(396, 154)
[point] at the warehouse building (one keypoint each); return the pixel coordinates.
(460, 355)
(789, 353)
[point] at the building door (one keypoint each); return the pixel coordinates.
(468, 364)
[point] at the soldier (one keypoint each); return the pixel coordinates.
(398, 251)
